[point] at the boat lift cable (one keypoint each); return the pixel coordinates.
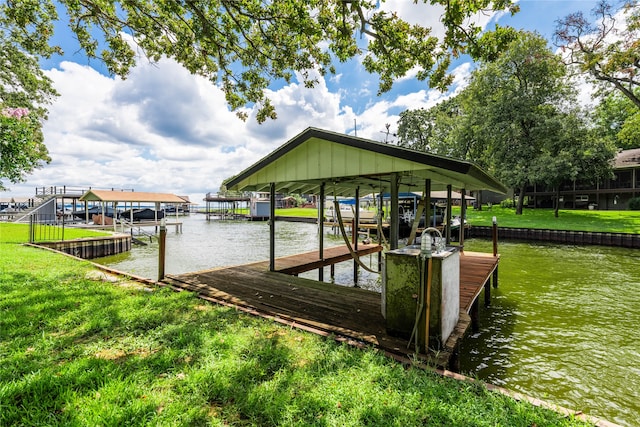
(385, 243)
(354, 255)
(419, 306)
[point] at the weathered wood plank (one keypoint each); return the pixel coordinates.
(300, 263)
(351, 312)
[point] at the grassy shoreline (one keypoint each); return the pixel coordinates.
(78, 347)
(571, 220)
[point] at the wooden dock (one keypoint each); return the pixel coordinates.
(347, 312)
(476, 269)
(300, 263)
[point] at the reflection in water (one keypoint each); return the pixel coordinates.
(208, 244)
(563, 325)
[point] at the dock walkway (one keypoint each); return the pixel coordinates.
(352, 313)
(300, 263)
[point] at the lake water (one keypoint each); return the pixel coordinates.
(564, 324)
(208, 244)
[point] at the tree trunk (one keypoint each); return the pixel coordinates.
(521, 199)
(478, 195)
(557, 207)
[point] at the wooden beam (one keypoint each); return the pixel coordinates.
(272, 226)
(448, 229)
(356, 224)
(321, 232)
(394, 214)
(427, 203)
(463, 214)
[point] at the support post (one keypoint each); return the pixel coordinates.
(356, 226)
(475, 316)
(427, 202)
(272, 226)
(394, 226)
(115, 216)
(448, 229)
(494, 236)
(353, 232)
(380, 218)
(321, 232)
(162, 249)
(463, 214)
(487, 293)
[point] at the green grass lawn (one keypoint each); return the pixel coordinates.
(298, 212)
(19, 233)
(576, 220)
(77, 349)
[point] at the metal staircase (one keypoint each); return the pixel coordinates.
(41, 203)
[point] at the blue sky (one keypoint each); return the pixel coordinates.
(165, 130)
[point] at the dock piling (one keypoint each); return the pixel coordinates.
(162, 249)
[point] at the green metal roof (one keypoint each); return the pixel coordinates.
(345, 162)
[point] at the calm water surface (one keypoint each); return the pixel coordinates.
(207, 244)
(564, 324)
(564, 327)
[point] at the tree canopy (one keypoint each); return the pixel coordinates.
(24, 94)
(517, 118)
(618, 119)
(608, 50)
(244, 45)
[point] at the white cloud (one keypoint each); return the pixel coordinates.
(428, 15)
(163, 129)
(417, 13)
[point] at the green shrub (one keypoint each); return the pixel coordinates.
(507, 203)
(634, 204)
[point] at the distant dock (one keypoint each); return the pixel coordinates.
(221, 206)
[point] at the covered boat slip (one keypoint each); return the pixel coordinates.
(327, 163)
(131, 199)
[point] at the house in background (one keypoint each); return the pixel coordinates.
(613, 193)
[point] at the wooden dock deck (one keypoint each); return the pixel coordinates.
(300, 263)
(476, 269)
(348, 312)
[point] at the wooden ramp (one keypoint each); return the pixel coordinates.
(352, 313)
(476, 269)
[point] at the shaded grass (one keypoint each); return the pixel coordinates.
(19, 233)
(75, 351)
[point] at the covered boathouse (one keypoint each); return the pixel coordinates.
(130, 199)
(325, 163)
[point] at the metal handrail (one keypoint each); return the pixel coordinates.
(131, 226)
(64, 190)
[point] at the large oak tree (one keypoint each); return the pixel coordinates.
(607, 48)
(242, 46)
(517, 118)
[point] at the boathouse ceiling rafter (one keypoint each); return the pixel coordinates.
(344, 163)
